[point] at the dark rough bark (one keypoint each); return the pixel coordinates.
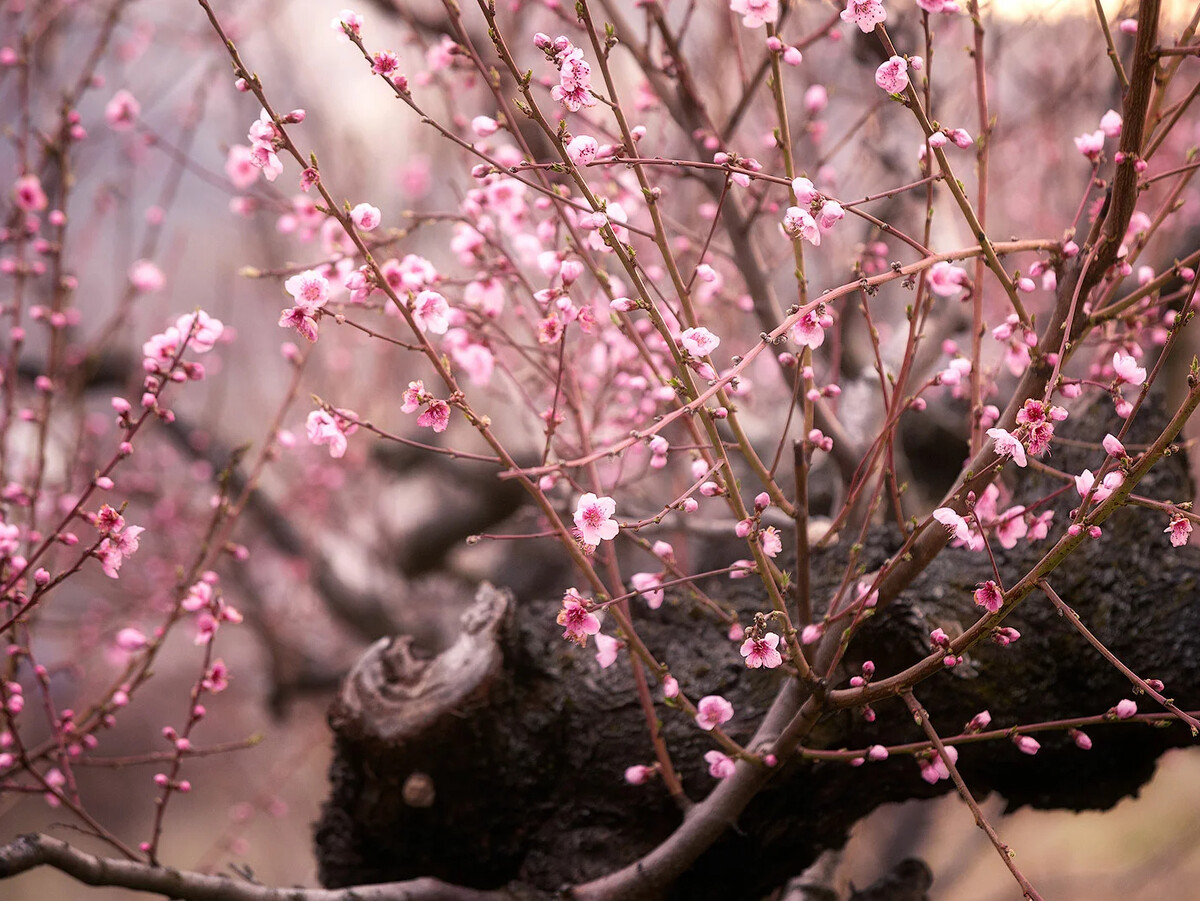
(526, 762)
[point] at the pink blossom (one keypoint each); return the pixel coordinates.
(808, 330)
(431, 312)
(648, 585)
(122, 111)
(713, 710)
(575, 619)
(811, 633)
(799, 223)
(204, 330)
(979, 722)
(938, 6)
(1081, 739)
(866, 14)
(1007, 445)
(1127, 369)
(114, 549)
(332, 429)
(699, 342)
(816, 98)
(830, 214)
(772, 542)
(946, 280)
(989, 596)
(720, 766)
(216, 680)
(892, 75)
(1091, 145)
(1180, 529)
(1110, 123)
(240, 168)
(1113, 446)
(28, 194)
(347, 20)
(302, 322)
(804, 191)
(1011, 527)
(575, 81)
(606, 650)
(756, 13)
(365, 216)
(670, 687)
(310, 289)
(436, 416)
(484, 126)
(593, 518)
(761, 652)
(582, 149)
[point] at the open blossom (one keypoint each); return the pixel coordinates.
(577, 622)
(772, 542)
(606, 650)
(431, 312)
(713, 710)
(809, 330)
(866, 14)
(989, 596)
(892, 75)
(1007, 445)
(762, 651)
(756, 13)
(327, 428)
(347, 20)
(946, 280)
(1127, 369)
(720, 765)
(593, 518)
(436, 416)
(310, 290)
(573, 90)
(1180, 529)
(1110, 123)
(1091, 145)
(114, 549)
(799, 223)
(699, 342)
(649, 585)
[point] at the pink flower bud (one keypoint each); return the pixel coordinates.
(1125, 709)
(1026, 744)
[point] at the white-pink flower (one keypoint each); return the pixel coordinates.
(310, 289)
(582, 149)
(577, 622)
(606, 650)
(431, 312)
(762, 652)
(866, 14)
(799, 223)
(1180, 529)
(593, 518)
(713, 710)
(772, 542)
(892, 75)
(946, 280)
(1006, 444)
(720, 765)
(756, 13)
(1127, 369)
(808, 330)
(699, 342)
(365, 216)
(1090, 145)
(649, 585)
